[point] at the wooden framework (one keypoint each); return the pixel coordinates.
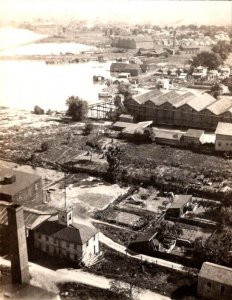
(102, 110)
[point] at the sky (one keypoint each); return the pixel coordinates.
(131, 11)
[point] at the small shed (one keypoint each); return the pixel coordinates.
(179, 206)
(193, 137)
(215, 282)
(126, 118)
(145, 242)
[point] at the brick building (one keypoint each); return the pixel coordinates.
(20, 187)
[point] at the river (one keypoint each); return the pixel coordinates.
(26, 83)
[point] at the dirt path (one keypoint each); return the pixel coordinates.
(153, 260)
(48, 279)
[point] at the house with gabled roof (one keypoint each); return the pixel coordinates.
(223, 137)
(215, 282)
(60, 237)
(192, 110)
(219, 111)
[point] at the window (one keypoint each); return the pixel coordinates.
(219, 144)
(39, 236)
(222, 290)
(87, 243)
(208, 285)
(70, 217)
(47, 238)
(55, 241)
(67, 245)
(36, 186)
(75, 257)
(94, 237)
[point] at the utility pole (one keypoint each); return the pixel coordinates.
(65, 194)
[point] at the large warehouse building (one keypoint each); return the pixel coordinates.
(183, 110)
(133, 42)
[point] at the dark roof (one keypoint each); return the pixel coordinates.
(180, 200)
(194, 133)
(32, 218)
(137, 38)
(216, 273)
(123, 66)
(145, 236)
(75, 233)
(190, 47)
(23, 180)
(167, 97)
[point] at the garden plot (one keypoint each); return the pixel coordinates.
(85, 196)
(125, 218)
(148, 199)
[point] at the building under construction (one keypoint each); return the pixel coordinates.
(182, 110)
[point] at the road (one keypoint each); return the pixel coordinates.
(48, 280)
(153, 260)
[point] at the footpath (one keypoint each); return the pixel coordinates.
(48, 279)
(153, 260)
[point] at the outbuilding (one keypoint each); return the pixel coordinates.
(193, 137)
(215, 282)
(179, 206)
(223, 137)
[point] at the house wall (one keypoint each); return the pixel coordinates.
(213, 291)
(223, 143)
(32, 193)
(61, 248)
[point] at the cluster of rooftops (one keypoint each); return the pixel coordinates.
(176, 100)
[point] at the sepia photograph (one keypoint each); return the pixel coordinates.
(115, 150)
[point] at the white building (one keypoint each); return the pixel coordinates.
(199, 72)
(223, 137)
(63, 238)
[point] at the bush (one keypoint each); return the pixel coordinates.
(44, 146)
(77, 108)
(88, 128)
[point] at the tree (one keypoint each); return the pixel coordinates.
(114, 156)
(216, 90)
(207, 59)
(228, 82)
(88, 128)
(222, 48)
(218, 247)
(77, 108)
(226, 215)
(168, 228)
(44, 146)
(124, 89)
